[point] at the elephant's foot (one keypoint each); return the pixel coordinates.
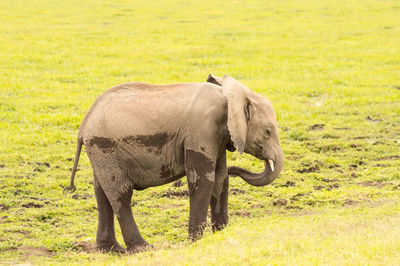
(218, 226)
(138, 247)
(219, 222)
(110, 247)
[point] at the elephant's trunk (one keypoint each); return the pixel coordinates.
(271, 171)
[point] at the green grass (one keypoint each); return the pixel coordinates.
(320, 62)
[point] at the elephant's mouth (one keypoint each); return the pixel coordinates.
(270, 163)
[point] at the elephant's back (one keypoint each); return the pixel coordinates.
(138, 108)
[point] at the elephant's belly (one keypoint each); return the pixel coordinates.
(149, 170)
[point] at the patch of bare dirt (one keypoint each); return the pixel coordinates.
(374, 184)
(257, 206)
(328, 187)
(27, 252)
(329, 180)
(324, 148)
(280, 202)
(4, 207)
(23, 232)
(32, 205)
(391, 157)
(362, 137)
(241, 213)
(353, 167)
(293, 208)
(382, 165)
(82, 197)
(334, 166)
(173, 193)
(371, 119)
(317, 127)
(298, 195)
(86, 246)
(349, 202)
(358, 147)
(309, 169)
(288, 184)
(236, 191)
(179, 183)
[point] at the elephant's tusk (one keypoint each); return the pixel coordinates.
(271, 164)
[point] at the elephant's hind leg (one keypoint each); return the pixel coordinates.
(130, 232)
(105, 238)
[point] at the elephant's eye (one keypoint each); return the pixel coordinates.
(268, 132)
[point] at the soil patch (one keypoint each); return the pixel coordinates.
(310, 169)
(241, 213)
(235, 191)
(289, 184)
(84, 196)
(373, 184)
(4, 207)
(349, 202)
(85, 246)
(172, 193)
(32, 205)
(317, 127)
(280, 202)
(298, 195)
(371, 119)
(32, 251)
(327, 180)
(17, 231)
(179, 183)
(391, 157)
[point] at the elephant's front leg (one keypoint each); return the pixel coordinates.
(200, 171)
(219, 200)
(219, 208)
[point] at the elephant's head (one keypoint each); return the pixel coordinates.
(253, 129)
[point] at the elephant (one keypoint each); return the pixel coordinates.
(139, 135)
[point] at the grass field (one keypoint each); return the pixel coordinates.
(331, 69)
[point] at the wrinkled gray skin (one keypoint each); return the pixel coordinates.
(140, 135)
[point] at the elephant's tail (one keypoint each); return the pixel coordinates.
(71, 188)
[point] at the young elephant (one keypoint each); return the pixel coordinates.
(140, 135)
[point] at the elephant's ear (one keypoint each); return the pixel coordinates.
(238, 111)
(214, 79)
